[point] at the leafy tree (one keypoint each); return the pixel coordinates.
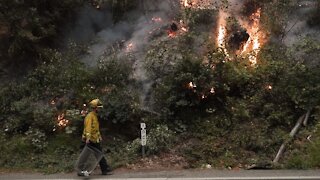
(32, 26)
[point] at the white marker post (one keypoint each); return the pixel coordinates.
(143, 137)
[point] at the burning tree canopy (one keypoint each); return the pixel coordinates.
(245, 38)
(250, 7)
(238, 39)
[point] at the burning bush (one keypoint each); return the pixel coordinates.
(237, 36)
(238, 39)
(250, 7)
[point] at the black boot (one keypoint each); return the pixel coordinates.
(107, 171)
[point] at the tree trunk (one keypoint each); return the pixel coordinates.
(305, 121)
(292, 134)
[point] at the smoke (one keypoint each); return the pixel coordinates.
(297, 27)
(132, 36)
(89, 22)
(158, 15)
(105, 40)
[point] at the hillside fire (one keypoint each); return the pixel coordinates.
(244, 41)
(172, 31)
(256, 38)
(61, 122)
(175, 29)
(238, 39)
(221, 36)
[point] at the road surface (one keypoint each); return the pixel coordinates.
(180, 175)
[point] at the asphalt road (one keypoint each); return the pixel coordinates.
(181, 174)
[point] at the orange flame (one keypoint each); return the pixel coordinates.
(61, 121)
(192, 85)
(269, 87)
(222, 33)
(186, 3)
(171, 34)
(182, 28)
(254, 43)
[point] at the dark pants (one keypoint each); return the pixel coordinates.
(103, 162)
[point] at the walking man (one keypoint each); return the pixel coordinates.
(91, 134)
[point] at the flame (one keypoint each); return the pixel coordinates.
(157, 19)
(186, 3)
(171, 34)
(184, 29)
(269, 87)
(61, 121)
(254, 43)
(212, 90)
(129, 47)
(181, 29)
(222, 33)
(192, 85)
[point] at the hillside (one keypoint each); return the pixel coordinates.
(220, 84)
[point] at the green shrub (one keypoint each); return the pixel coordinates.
(159, 139)
(122, 152)
(314, 147)
(114, 84)
(298, 161)
(197, 18)
(37, 138)
(314, 153)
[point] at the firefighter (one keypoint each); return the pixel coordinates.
(91, 133)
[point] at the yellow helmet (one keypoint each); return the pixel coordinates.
(96, 103)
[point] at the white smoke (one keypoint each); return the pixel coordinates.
(133, 35)
(89, 21)
(297, 27)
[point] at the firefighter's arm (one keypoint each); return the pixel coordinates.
(87, 130)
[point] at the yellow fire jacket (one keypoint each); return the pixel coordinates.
(91, 129)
